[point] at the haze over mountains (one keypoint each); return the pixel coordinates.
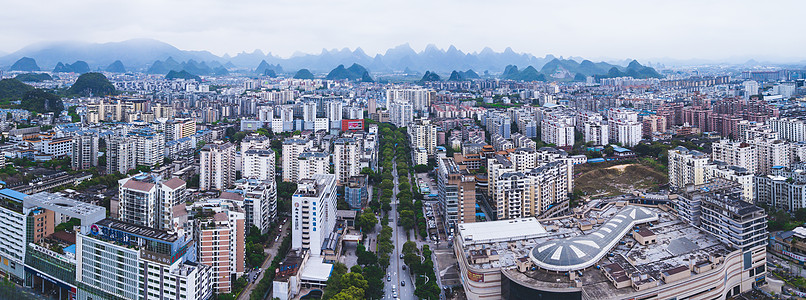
(141, 54)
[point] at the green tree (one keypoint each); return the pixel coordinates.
(350, 293)
(407, 219)
(40, 101)
(800, 214)
(366, 221)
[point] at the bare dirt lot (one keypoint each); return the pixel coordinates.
(609, 179)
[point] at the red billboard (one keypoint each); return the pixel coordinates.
(352, 125)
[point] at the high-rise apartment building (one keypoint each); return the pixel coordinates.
(784, 189)
(419, 98)
(597, 132)
(149, 146)
(292, 148)
(258, 164)
(310, 163)
(540, 192)
(771, 153)
(85, 152)
(735, 154)
(220, 234)
(624, 127)
(217, 164)
(401, 114)
(120, 155)
(627, 133)
(345, 159)
(750, 88)
(147, 200)
(557, 128)
(334, 114)
(120, 260)
(184, 127)
(790, 129)
(260, 202)
(652, 124)
(423, 134)
(355, 192)
(313, 213)
(686, 167)
(456, 190)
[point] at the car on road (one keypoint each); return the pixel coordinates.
(401, 256)
(404, 267)
(388, 278)
(403, 283)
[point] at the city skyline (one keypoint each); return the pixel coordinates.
(716, 31)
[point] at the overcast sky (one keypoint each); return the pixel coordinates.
(594, 29)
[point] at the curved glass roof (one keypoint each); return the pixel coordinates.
(580, 252)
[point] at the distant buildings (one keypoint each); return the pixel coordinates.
(423, 134)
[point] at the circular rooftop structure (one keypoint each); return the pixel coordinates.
(583, 251)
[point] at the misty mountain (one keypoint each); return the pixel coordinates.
(157, 57)
(137, 53)
(182, 75)
(303, 74)
(191, 66)
(354, 72)
(79, 67)
(430, 76)
(25, 64)
(462, 76)
(116, 67)
(511, 72)
(265, 68)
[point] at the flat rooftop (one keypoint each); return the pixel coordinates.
(143, 231)
(66, 206)
(500, 231)
(316, 270)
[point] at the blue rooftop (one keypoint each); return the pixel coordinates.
(595, 160)
(13, 194)
(71, 249)
(619, 149)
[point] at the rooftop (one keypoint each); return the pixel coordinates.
(143, 231)
(618, 253)
(497, 231)
(73, 208)
(583, 251)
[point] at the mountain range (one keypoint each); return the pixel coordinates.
(152, 55)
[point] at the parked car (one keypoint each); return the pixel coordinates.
(403, 283)
(388, 278)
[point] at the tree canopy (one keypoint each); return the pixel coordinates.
(40, 101)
